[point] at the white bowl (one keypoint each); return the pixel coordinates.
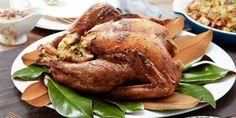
(180, 7)
(13, 32)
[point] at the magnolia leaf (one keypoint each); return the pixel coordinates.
(30, 58)
(34, 91)
(173, 102)
(127, 106)
(31, 72)
(67, 102)
(198, 92)
(189, 65)
(204, 73)
(192, 47)
(174, 26)
(40, 101)
(106, 110)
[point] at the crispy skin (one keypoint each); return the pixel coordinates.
(96, 76)
(139, 26)
(125, 41)
(124, 48)
(97, 14)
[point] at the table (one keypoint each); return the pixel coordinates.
(10, 96)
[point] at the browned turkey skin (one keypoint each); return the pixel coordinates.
(113, 50)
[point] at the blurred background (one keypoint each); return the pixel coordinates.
(164, 5)
(4, 4)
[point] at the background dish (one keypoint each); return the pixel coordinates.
(67, 10)
(219, 56)
(180, 7)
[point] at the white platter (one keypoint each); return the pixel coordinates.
(219, 89)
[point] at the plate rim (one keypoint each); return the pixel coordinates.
(127, 115)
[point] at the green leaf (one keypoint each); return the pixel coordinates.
(203, 74)
(67, 102)
(198, 92)
(127, 106)
(105, 109)
(188, 65)
(31, 72)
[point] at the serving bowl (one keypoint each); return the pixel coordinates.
(219, 36)
(13, 32)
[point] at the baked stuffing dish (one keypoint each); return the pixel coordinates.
(220, 14)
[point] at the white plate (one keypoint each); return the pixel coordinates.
(219, 89)
(64, 9)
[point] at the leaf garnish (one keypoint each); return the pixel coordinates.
(34, 91)
(40, 101)
(36, 95)
(127, 106)
(204, 73)
(201, 58)
(192, 47)
(67, 102)
(30, 58)
(198, 92)
(31, 72)
(105, 109)
(173, 102)
(174, 26)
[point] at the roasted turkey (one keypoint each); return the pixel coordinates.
(104, 52)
